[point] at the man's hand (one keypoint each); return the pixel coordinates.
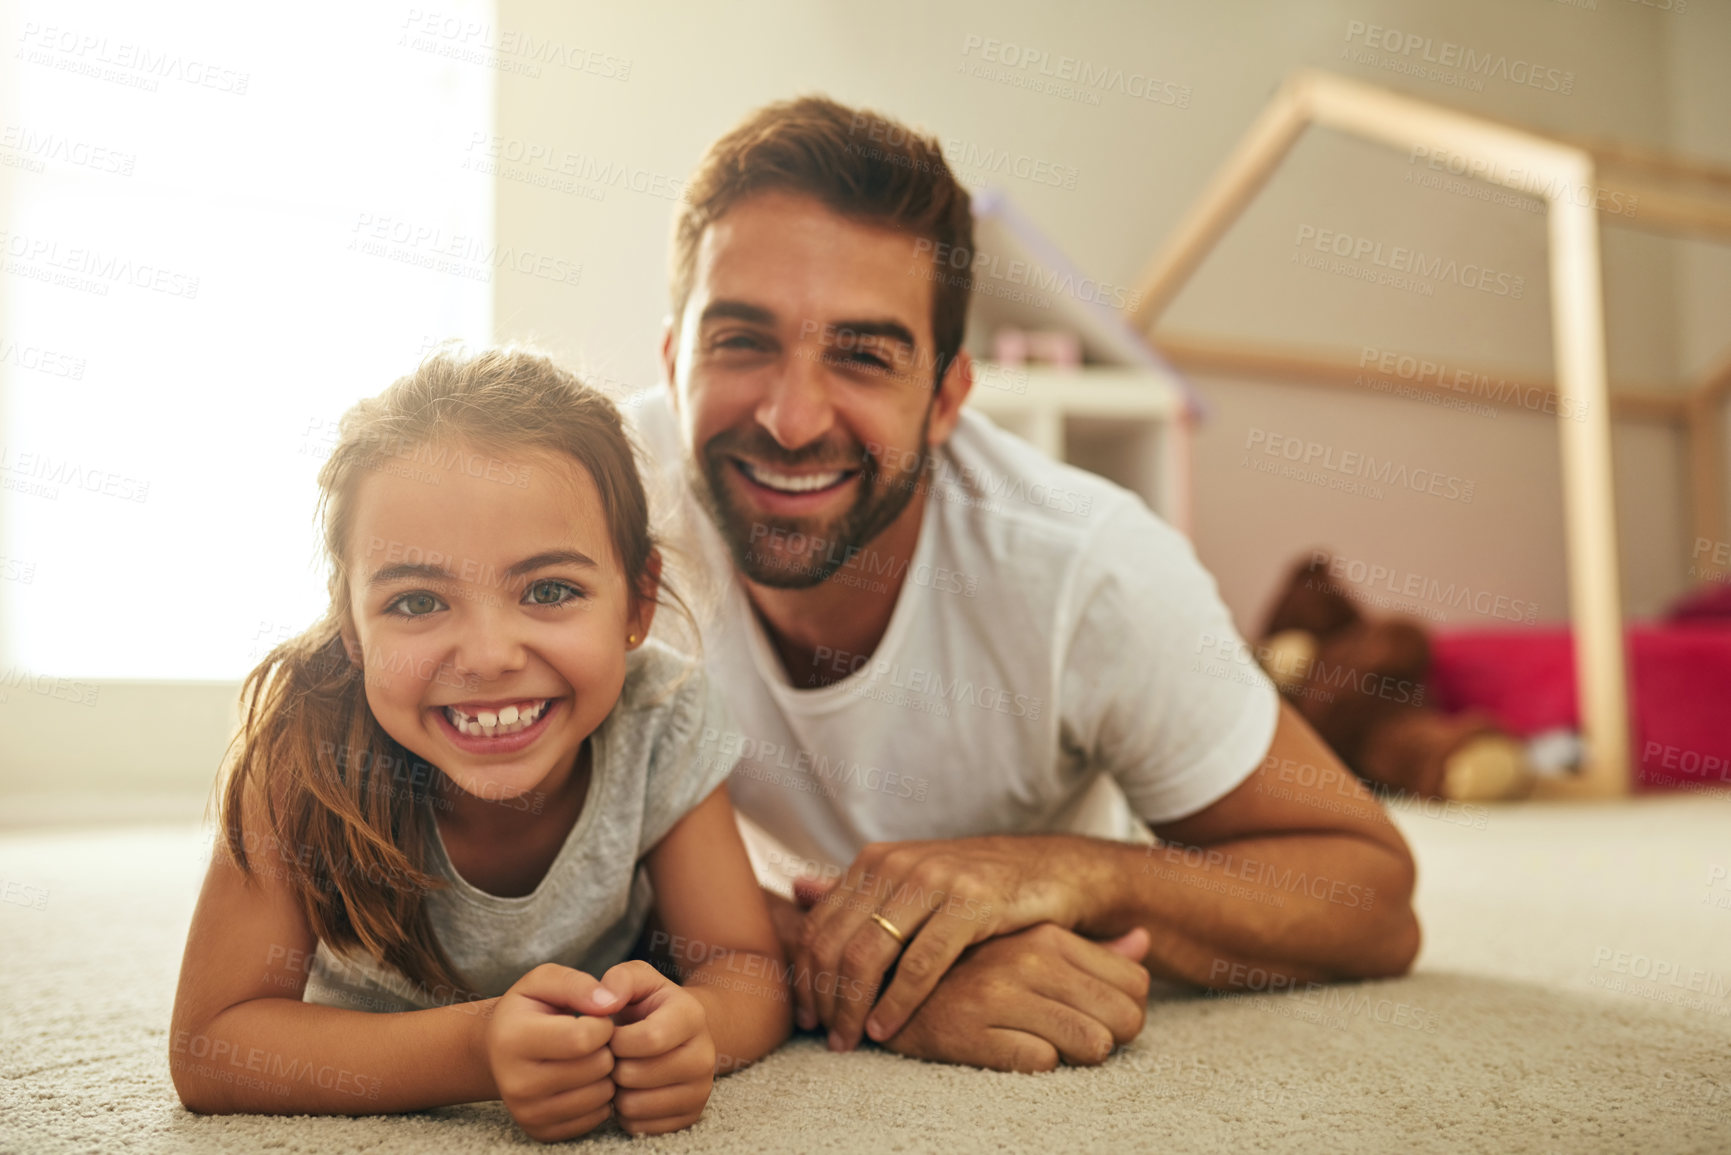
(551, 1066)
(664, 1058)
(1024, 1001)
(943, 897)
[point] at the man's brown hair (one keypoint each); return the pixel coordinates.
(857, 163)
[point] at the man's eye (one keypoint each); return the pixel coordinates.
(870, 360)
(415, 605)
(549, 592)
(738, 343)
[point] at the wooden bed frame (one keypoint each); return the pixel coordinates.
(1674, 196)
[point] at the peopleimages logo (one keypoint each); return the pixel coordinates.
(1067, 75)
(1400, 259)
(35, 148)
(986, 267)
(44, 258)
(545, 165)
(463, 255)
(1351, 463)
(967, 159)
(133, 65)
(1375, 577)
(1530, 182)
(1447, 54)
(1440, 375)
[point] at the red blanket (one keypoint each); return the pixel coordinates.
(1680, 692)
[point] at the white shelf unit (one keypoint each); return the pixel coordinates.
(1127, 424)
(1125, 414)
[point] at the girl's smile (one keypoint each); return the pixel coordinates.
(484, 729)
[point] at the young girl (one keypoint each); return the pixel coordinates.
(458, 796)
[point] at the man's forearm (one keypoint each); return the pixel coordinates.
(1303, 906)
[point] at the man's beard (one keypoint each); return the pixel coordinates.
(800, 552)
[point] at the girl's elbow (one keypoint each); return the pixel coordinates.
(198, 1091)
(1396, 948)
(781, 1010)
(196, 1095)
(783, 1027)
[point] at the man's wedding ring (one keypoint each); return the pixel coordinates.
(891, 927)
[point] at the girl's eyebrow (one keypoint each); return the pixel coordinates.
(429, 571)
(549, 558)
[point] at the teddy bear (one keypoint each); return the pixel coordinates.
(1361, 685)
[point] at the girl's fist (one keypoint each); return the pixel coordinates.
(551, 1065)
(664, 1058)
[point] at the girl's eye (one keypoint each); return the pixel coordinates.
(415, 605)
(550, 592)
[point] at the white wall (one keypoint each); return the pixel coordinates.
(1641, 73)
(695, 71)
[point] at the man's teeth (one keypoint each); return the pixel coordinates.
(491, 724)
(791, 482)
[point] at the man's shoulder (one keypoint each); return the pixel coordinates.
(649, 416)
(994, 484)
(1051, 538)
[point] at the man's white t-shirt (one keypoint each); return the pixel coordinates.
(1047, 667)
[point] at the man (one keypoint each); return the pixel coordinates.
(971, 685)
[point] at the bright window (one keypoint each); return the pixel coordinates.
(219, 230)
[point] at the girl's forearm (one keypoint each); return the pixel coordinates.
(284, 1057)
(746, 999)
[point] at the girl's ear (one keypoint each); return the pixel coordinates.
(642, 614)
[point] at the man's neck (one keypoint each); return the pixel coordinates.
(823, 633)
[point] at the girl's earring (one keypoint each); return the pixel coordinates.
(630, 639)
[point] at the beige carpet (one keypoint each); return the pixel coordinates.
(1507, 1038)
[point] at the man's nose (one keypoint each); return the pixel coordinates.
(796, 410)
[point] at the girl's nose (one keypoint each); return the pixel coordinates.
(488, 647)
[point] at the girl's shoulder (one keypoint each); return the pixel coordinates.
(669, 737)
(659, 677)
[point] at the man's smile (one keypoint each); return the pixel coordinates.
(792, 493)
(793, 481)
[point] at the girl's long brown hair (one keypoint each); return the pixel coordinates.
(342, 799)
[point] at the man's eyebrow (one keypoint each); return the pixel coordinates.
(726, 310)
(432, 572)
(731, 310)
(889, 328)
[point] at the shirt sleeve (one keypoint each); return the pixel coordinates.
(1157, 687)
(685, 759)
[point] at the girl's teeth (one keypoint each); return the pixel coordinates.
(491, 724)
